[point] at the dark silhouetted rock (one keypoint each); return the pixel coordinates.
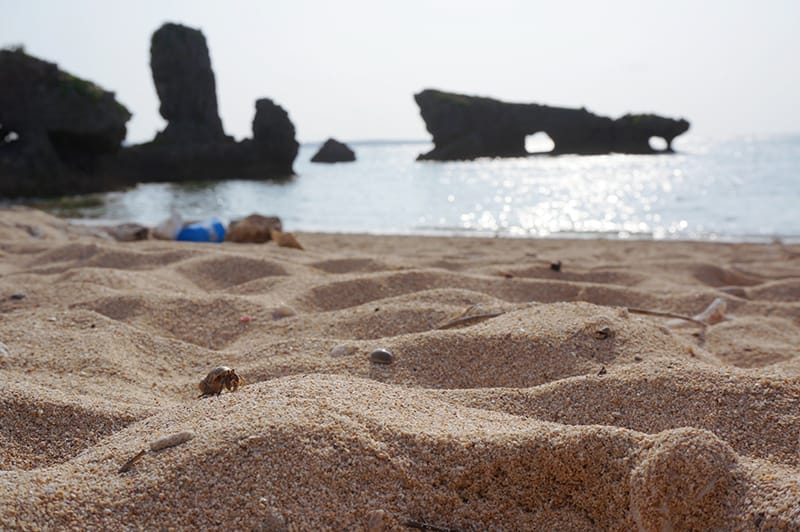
(185, 85)
(334, 151)
(254, 229)
(273, 133)
(54, 128)
(61, 135)
(467, 127)
(194, 147)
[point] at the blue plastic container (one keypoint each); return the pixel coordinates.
(206, 231)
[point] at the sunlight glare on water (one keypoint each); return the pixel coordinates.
(743, 189)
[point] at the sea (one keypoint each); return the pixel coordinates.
(740, 189)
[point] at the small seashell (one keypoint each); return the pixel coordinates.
(285, 240)
(282, 311)
(381, 356)
(172, 440)
(342, 350)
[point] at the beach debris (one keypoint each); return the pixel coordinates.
(169, 228)
(714, 313)
(603, 332)
(376, 521)
(172, 440)
(472, 314)
(342, 350)
(283, 311)
(637, 358)
(285, 240)
(128, 232)
(129, 464)
(211, 230)
(245, 319)
(162, 443)
(219, 378)
(3, 352)
(18, 296)
(253, 229)
(381, 356)
(555, 266)
(602, 371)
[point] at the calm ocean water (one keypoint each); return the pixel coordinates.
(742, 189)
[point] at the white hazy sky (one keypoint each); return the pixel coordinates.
(348, 68)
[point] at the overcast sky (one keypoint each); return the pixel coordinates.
(349, 68)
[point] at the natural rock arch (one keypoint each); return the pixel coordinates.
(467, 127)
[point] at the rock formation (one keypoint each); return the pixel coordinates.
(467, 127)
(334, 151)
(194, 146)
(62, 135)
(54, 128)
(273, 133)
(185, 85)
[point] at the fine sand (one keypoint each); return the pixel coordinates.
(519, 397)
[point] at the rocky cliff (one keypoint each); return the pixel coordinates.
(62, 135)
(54, 127)
(467, 127)
(194, 146)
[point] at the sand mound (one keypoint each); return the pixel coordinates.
(517, 397)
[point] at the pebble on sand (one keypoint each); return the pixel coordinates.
(381, 356)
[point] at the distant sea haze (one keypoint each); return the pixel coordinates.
(734, 190)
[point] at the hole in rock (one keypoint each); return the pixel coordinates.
(8, 136)
(658, 143)
(539, 143)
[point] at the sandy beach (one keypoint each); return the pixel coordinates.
(646, 385)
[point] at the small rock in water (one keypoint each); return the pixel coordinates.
(18, 296)
(381, 356)
(342, 350)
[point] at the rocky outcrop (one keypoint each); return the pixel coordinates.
(54, 128)
(61, 135)
(467, 127)
(334, 151)
(273, 133)
(194, 146)
(185, 85)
